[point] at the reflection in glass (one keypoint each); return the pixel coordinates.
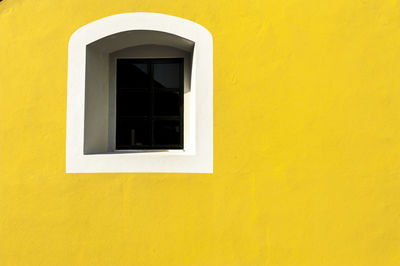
(133, 132)
(166, 75)
(132, 75)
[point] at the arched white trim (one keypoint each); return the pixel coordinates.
(197, 159)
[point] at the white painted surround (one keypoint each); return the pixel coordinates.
(92, 52)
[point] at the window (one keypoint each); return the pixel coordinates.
(149, 104)
(140, 96)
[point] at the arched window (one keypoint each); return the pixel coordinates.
(140, 89)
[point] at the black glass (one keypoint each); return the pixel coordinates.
(149, 104)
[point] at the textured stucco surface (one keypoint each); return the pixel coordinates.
(306, 142)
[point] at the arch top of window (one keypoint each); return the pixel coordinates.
(170, 31)
(133, 38)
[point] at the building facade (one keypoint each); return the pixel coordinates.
(306, 150)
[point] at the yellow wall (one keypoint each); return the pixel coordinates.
(307, 142)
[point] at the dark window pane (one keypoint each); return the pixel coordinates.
(167, 132)
(167, 75)
(133, 133)
(132, 75)
(133, 103)
(149, 104)
(167, 103)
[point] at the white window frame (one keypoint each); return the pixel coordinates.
(194, 158)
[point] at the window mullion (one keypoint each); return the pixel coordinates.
(181, 83)
(151, 111)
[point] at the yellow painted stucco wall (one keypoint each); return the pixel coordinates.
(306, 142)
